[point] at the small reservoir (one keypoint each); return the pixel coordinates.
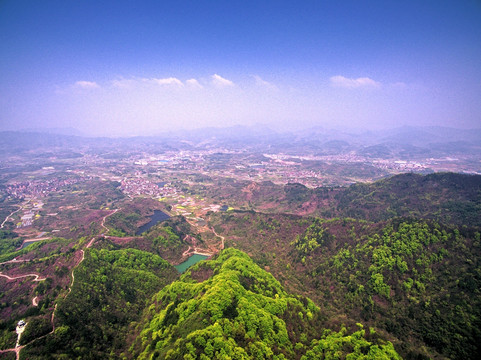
(25, 244)
(29, 242)
(158, 216)
(194, 259)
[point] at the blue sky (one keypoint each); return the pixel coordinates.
(142, 67)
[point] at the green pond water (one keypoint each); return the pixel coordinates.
(194, 259)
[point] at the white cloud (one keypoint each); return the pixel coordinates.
(219, 81)
(341, 81)
(166, 81)
(87, 85)
(123, 83)
(193, 83)
(261, 82)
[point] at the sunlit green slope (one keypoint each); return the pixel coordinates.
(229, 308)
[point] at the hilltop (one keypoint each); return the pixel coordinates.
(230, 308)
(446, 197)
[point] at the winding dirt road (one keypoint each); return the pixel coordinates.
(186, 252)
(105, 217)
(90, 243)
(13, 212)
(16, 350)
(73, 276)
(221, 237)
(37, 277)
(12, 261)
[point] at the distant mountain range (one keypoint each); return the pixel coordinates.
(69, 131)
(404, 142)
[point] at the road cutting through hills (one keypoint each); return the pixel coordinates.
(39, 278)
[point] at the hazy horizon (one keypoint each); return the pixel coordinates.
(120, 69)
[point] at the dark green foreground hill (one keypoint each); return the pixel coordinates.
(111, 290)
(446, 197)
(416, 281)
(229, 308)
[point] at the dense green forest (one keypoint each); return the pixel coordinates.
(413, 279)
(417, 280)
(446, 197)
(110, 291)
(242, 312)
(9, 241)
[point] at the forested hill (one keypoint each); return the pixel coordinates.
(111, 289)
(229, 308)
(446, 197)
(416, 281)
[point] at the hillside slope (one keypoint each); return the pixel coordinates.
(110, 291)
(229, 308)
(446, 197)
(416, 281)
